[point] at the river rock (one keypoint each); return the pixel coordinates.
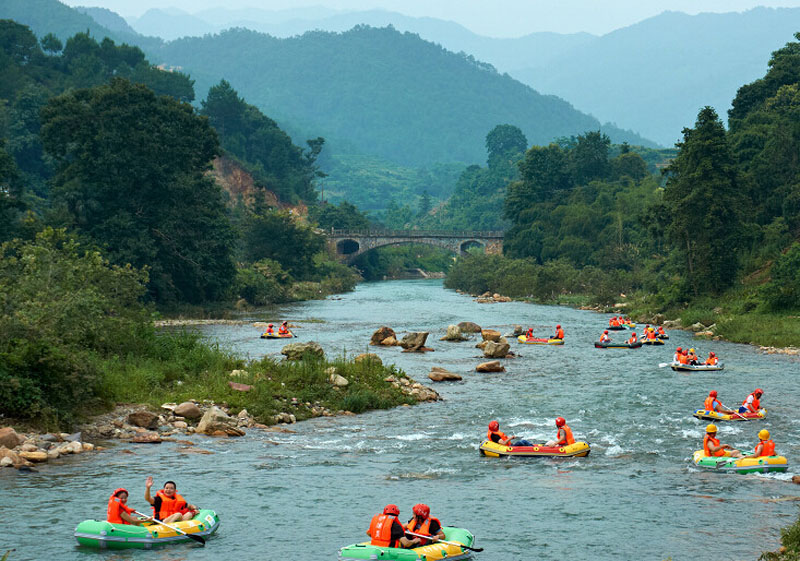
(147, 438)
(469, 327)
(672, 324)
(381, 335)
(369, 357)
(287, 418)
(339, 381)
(438, 374)
(87, 446)
(296, 351)
(496, 349)
(53, 454)
(490, 335)
(796, 479)
(453, 334)
(9, 438)
(704, 334)
(5, 461)
(37, 456)
(215, 419)
(180, 424)
(414, 340)
(482, 345)
(389, 342)
(696, 327)
(28, 447)
(144, 419)
(169, 407)
(492, 366)
(188, 410)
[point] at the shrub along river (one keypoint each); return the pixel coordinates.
(302, 495)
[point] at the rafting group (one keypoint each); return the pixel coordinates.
(650, 336)
(556, 339)
(282, 333)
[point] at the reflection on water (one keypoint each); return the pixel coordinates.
(635, 496)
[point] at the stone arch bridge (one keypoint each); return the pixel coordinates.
(349, 244)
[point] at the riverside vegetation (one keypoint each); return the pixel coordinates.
(715, 242)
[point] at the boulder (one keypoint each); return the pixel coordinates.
(37, 456)
(414, 340)
(240, 387)
(492, 366)
(169, 407)
(389, 342)
(9, 438)
(697, 327)
(453, 334)
(147, 438)
(496, 349)
(796, 479)
(672, 324)
(482, 345)
(382, 334)
(87, 446)
(144, 419)
(469, 327)
(490, 335)
(215, 419)
(369, 357)
(52, 454)
(238, 373)
(287, 418)
(180, 424)
(438, 374)
(296, 351)
(188, 410)
(5, 461)
(28, 447)
(339, 381)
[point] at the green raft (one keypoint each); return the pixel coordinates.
(105, 535)
(746, 464)
(430, 552)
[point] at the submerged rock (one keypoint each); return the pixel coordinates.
(454, 334)
(381, 335)
(469, 327)
(438, 374)
(296, 351)
(497, 349)
(492, 366)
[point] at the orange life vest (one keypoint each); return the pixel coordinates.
(613, 322)
(709, 403)
(715, 442)
(568, 438)
(756, 402)
(661, 331)
(632, 339)
(651, 334)
(768, 449)
(115, 508)
(424, 528)
(559, 334)
(502, 435)
(683, 359)
(712, 360)
(270, 331)
(169, 505)
(283, 330)
(380, 530)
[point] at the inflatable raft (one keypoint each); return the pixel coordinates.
(678, 367)
(105, 535)
(430, 552)
(652, 342)
(277, 335)
(705, 414)
(613, 345)
(495, 450)
(747, 464)
(539, 340)
(616, 328)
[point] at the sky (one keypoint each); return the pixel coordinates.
(493, 18)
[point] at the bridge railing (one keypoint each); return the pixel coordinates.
(416, 233)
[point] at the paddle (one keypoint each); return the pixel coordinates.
(663, 364)
(198, 539)
(475, 549)
(735, 411)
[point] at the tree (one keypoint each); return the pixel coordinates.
(11, 203)
(51, 44)
(424, 204)
(130, 172)
(505, 142)
(704, 205)
(589, 158)
(345, 216)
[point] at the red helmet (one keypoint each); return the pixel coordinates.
(712, 393)
(560, 422)
(558, 326)
(270, 325)
(606, 331)
(759, 390)
(391, 509)
(422, 510)
(118, 491)
(494, 425)
(711, 354)
(678, 350)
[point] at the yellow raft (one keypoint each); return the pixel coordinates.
(539, 340)
(747, 464)
(705, 414)
(495, 450)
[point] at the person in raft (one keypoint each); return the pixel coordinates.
(497, 436)
(284, 328)
(713, 404)
(692, 357)
(752, 403)
(632, 340)
(712, 359)
(168, 505)
(269, 330)
(712, 447)
(559, 333)
(563, 436)
(422, 523)
(765, 446)
(604, 338)
(529, 334)
(118, 510)
(676, 358)
(386, 530)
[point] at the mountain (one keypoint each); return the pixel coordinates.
(655, 75)
(389, 94)
(108, 19)
(171, 24)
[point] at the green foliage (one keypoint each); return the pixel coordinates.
(782, 292)
(343, 216)
(130, 173)
(264, 282)
(394, 261)
(256, 140)
(11, 203)
(505, 142)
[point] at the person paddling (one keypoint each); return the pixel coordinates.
(118, 511)
(168, 505)
(712, 446)
(497, 436)
(423, 523)
(765, 446)
(752, 403)
(676, 358)
(559, 333)
(712, 359)
(284, 328)
(632, 340)
(564, 435)
(385, 530)
(713, 404)
(604, 338)
(270, 331)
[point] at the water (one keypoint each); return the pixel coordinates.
(302, 495)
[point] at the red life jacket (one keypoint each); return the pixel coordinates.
(712, 360)
(502, 435)
(715, 441)
(709, 404)
(768, 449)
(380, 530)
(756, 403)
(115, 508)
(169, 506)
(424, 528)
(568, 438)
(559, 334)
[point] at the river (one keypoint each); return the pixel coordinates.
(302, 495)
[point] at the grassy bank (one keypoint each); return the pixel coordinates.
(790, 545)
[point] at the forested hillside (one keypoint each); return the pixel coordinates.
(385, 93)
